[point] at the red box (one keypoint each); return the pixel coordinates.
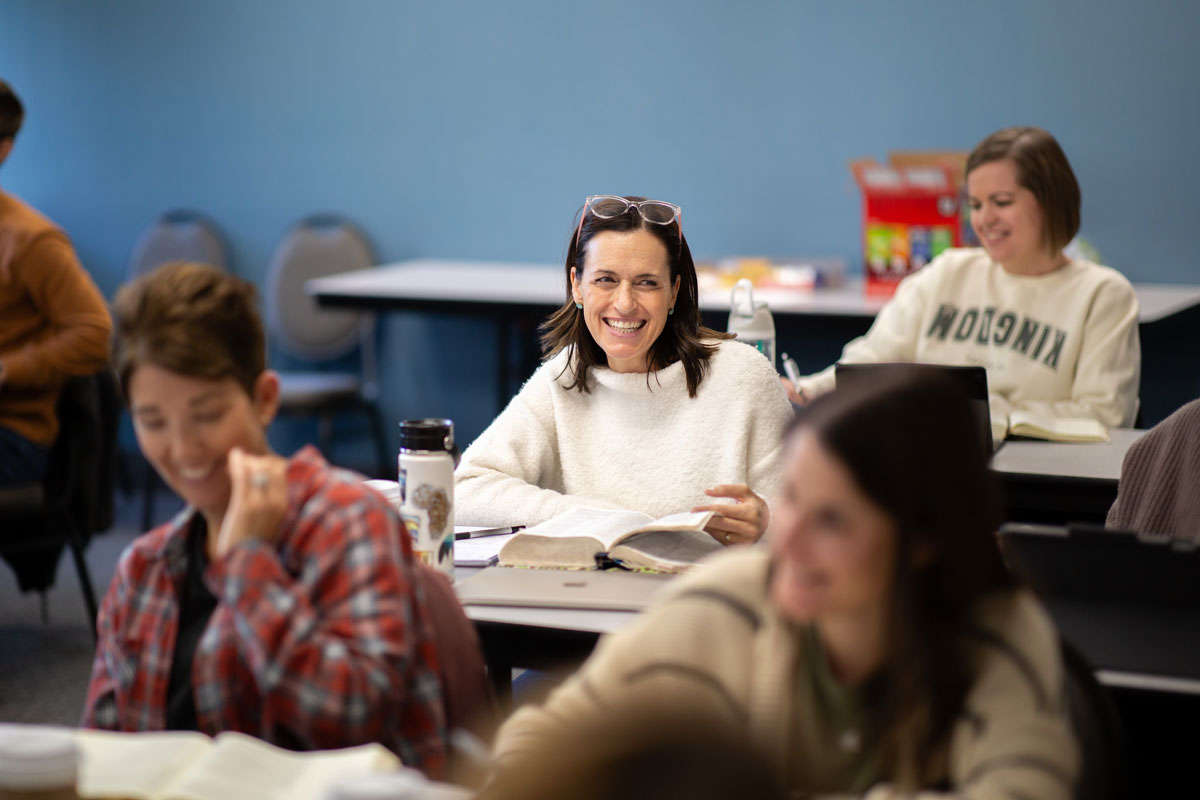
(910, 215)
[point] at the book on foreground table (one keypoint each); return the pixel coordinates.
(185, 765)
(1056, 429)
(635, 540)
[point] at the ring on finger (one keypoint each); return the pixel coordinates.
(259, 479)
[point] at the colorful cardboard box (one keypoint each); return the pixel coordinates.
(912, 211)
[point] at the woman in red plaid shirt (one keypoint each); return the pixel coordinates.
(281, 602)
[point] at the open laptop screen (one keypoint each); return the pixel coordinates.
(973, 381)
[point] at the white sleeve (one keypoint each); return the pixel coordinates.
(772, 413)
(1110, 360)
(499, 479)
(892, 337)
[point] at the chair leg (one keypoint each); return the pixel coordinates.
(383, 461)
(75, 542)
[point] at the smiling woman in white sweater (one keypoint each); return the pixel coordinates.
(1058, 335)
(636, 406)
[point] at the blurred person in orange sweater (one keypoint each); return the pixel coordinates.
(54, 322)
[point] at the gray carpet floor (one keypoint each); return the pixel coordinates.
(44, 667)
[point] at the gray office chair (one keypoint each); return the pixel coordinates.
(317, 246)
(177, 235)
(74, 500)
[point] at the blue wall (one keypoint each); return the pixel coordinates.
(474, 129)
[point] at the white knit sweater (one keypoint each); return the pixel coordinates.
(628, 443)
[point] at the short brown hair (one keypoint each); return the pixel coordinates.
(191, 319)
(683, 337)
(12, 113)
(1043, 169)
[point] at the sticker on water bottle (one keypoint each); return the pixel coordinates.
(413, 522)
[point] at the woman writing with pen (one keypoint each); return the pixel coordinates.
(636, 405)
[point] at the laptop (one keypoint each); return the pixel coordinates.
(973, 381)
(603, 590)
(1130, 602)
(1104, 565)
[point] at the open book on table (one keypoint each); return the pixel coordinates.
(183, 765)
(635, 540)
(1031, 425)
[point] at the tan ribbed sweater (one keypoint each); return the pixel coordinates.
(716, 645)
(53, 320)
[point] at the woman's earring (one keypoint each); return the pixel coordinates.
(579, 306)
(670, 311)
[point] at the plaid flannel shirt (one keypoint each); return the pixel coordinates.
(319, 640)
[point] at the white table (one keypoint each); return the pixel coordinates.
(504, 292)
(547, 637)
(448, 284)
(1100, 461)
(1059, 482)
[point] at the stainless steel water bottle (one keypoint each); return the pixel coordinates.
(426, 475)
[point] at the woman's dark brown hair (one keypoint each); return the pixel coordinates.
(681, 340)
(914, 447)
(1043, 169)
(191, 319)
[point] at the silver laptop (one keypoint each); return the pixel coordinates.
(607, 590)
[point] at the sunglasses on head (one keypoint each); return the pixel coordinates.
(607, 206)
(610, 206)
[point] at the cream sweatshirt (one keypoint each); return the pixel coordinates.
(1061, 345)
(635, 441)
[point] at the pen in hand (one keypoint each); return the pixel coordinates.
(791, 370)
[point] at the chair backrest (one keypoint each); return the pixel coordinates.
(1103, 772)
(1160, 473)
(178, 235)
(315, 247)
(82, 464)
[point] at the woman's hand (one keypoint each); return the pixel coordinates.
(740, 522)
(797, 396)
(257, 500)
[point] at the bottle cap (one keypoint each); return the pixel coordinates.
(427, 434)
(37, 757)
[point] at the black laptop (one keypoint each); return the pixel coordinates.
(973, 381)
(1129, 601)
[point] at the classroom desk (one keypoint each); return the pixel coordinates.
(1055, 482)
(1130, 648)
(455, 286)
(1150, 661)
(504, 292)
(1048, 482)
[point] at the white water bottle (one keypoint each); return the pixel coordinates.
(426, 475)
(752, 322)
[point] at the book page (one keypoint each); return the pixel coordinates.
(134, 765)
(603, 525)
(240, 767)
(665, 551)
(1056, 429)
